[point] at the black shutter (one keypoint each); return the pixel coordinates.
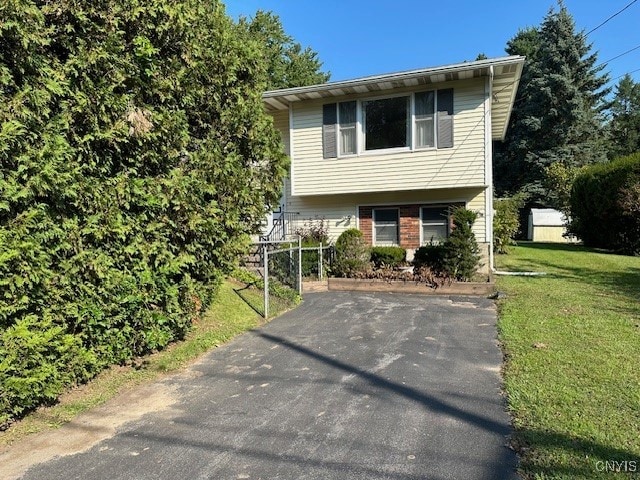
(329, 127)
(445, 118)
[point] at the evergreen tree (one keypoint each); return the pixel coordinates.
(461, 254)
(510, 169)
(135, 158)
(288, 64)
(624, 126)
(558, 111)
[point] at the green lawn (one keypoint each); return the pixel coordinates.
(572, 373)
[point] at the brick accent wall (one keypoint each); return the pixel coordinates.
(409, 225)
(366, 223)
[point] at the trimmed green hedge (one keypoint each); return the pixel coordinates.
(389, 256)
(605, 205)
(132, 169)
(352, 253)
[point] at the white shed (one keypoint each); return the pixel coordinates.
(547, 225)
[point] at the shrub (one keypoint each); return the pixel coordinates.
(389, 256)
(506, 221)
(38, 360)
(124, 198)
(604, 208)
(430, 256)
(352, 253)
(314, 232)
(461, 252)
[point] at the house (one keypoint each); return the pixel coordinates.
(389, 154)
(548, 225)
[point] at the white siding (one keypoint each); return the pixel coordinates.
(341, 211)
(281, 122)
(460, 166)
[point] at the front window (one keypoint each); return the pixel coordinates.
(386, 123)
(425, 119)
(347, 121)
(385, 226)
(435, 224)
(407, 123)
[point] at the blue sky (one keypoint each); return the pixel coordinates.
(355, 38)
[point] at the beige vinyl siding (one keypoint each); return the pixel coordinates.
(281, 122)
(336, 209)
(460, 166)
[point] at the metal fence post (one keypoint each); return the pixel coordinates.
(300, 264)
(320, 262)
(266, 280)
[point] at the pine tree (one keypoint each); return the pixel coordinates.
(461, 254)
(510, 169)
(624, 127)
(558, 113)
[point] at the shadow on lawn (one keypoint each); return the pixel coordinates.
(623, 281)
(594, 457)
(249, 297)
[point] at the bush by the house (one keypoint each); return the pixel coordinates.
(352, 253)
(430, 256)
(506, 221)
(605, 205)
(461, 252)
(458, 256)
(124, 197)
(390, 256)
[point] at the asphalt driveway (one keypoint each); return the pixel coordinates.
(347, 386)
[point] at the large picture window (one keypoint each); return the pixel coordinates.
(386, 226)
(412, 121)
(386, 123)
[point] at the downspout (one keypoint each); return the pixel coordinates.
(489, 171)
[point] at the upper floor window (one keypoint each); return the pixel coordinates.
(414, 121)
(386, 123)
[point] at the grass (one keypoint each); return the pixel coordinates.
(236, 309)
(572, 348)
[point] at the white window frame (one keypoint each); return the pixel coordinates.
(414, 132)
(373, 226)
(411, 127)
(339, 131)
(448, 206)
(363, 126)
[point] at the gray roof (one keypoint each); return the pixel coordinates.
(506, 77)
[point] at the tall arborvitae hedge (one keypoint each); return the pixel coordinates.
(135, 157)
(605, 205)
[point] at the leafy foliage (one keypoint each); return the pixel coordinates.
(432, 257)
(605, 203)
(457, 258)
(289, 65)
(135, 159)
(352, 253)
(389, 256)
(506, 222)
(624, 127)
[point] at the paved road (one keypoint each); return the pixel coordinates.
(348, 386)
